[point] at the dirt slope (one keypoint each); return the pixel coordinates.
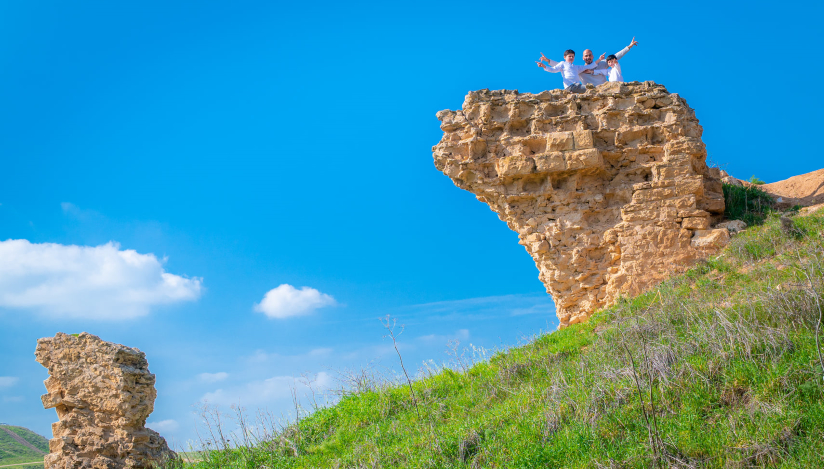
(804, 189)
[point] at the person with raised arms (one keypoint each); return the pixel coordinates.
(570, 72)
(614, 71)
(589, 76)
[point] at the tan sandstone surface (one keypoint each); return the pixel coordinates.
(804, 189)
(103, 393)
(608, 191)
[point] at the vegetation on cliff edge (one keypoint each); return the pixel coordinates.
(717, 367)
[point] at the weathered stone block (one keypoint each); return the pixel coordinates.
(671, 171)
(649, 195)
(695, 223)
(710, 239)
(733, 226)
(551, 163)
(581, 159)
(643, 214)
(690, 185)
(583, 139)
(559, 141)
(636, 136)
(515, 165)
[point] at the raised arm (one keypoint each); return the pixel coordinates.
(553, 69)
(548, 61)
(593, 64)
(623, 51)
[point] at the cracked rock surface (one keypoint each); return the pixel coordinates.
(609, 190)
(103, 393)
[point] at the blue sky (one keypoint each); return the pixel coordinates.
(208, 152)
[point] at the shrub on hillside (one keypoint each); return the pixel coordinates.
(749, 204)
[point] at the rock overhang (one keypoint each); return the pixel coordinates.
(608, 190)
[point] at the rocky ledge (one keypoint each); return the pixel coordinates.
(608, 190)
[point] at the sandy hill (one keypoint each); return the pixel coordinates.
(804, 189)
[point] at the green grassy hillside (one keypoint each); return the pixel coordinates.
(13, 451)
(718, 367)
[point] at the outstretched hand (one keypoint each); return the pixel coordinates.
(602, 57)
(540, 64)
(543, 57)
(633, 43)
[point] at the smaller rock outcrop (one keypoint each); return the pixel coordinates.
(103, 393)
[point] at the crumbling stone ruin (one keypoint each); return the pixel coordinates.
(608, 190)
(103, 393)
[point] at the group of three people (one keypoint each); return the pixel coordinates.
(576, 77)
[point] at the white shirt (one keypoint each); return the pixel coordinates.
(597, 79)
(613, 74)
(570, 72)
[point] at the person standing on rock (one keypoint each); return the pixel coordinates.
(589, 76)
(614, 72)
(571, 73)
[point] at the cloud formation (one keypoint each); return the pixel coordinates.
(286, 301)
(8, 381)
(489, 307)
(268, 390)
(460, 335)
(260, 356)
(101, 282)
(213, 377)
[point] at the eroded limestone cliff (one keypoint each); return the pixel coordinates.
(103, 393)
(609, 190)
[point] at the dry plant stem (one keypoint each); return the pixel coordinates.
(307, 381)
(298, 437)
(390, 326)
(813, 293)
(817, 334)
(647, 363)
(810, 290)
(641, 397)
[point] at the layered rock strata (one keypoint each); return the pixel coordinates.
(103, 393)
(608, 190)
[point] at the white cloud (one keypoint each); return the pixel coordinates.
(268, 390)
(260, 356)
(213, 377)
(319, 352)
(70, 208)
(287, 301)
(460, 335)
(8, 381)
(101, 282)
(163, 426)
(489, 307)
(13, 399)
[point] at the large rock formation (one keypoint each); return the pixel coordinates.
(103, 393)
(608, 190)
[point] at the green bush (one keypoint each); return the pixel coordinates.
(749, 204)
